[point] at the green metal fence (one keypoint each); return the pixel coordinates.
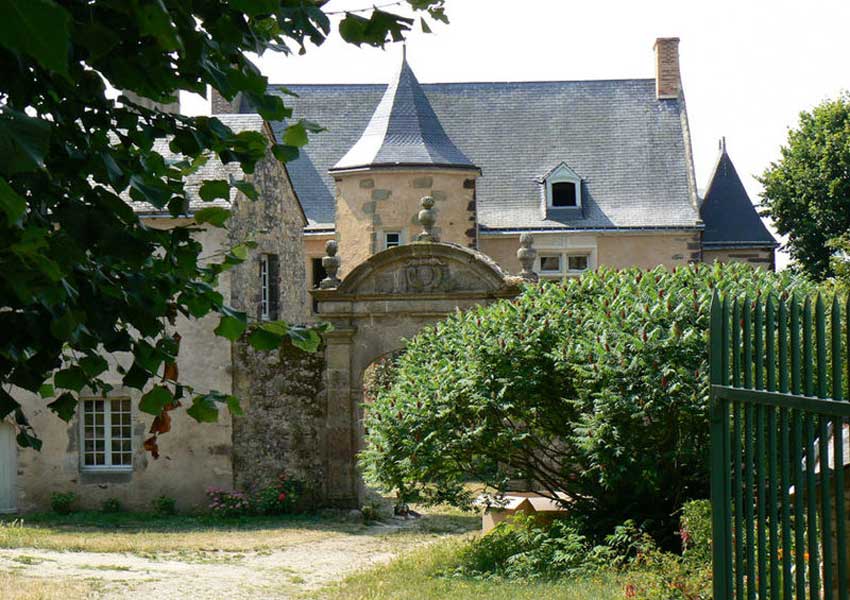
(779, 431)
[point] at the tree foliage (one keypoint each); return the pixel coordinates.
(597, 387)
(807, 192)
(81, 276)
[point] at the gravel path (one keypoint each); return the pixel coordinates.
(279, 573)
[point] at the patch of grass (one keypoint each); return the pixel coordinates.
(416, 576)
(27, 560)
(17, 587)
(143, 533)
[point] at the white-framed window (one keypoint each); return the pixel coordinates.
(392, 239)
(563, 188)
(556, 265)
(264, 287)
(269, 287)
(550, 263)
(106, 430)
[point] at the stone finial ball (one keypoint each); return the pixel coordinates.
(526, 240)
(427, 202)
(331, 247)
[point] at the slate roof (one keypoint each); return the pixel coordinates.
(213, 169)
(730, 218)
(403, 131)
(628, 147)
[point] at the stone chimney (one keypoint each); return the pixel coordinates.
(219, 105)
(668, 80)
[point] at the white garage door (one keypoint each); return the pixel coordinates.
(8, 468)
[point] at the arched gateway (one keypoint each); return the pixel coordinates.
(384, 300)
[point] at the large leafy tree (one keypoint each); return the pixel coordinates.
(597, 388)
(807, 191)
(80, 275)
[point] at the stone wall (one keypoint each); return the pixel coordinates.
(647, 251)
(193, 456)
(371, 203)
(276, 223)
(764, 258)
(614, 249)
(283, 430)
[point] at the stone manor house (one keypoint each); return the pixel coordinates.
(599, 172)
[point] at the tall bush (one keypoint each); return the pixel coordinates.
(597, 387)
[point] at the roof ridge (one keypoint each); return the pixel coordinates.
(490, 82)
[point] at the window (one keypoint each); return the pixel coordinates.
(564, 194)
(107, 434)
(562, 187)
(577, 262)
(558, 265)
(550, 263)
(392, 239)
(319, 274)
(269, 287)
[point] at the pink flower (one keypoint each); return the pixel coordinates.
(281, 497)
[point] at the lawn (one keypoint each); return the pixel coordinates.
(418, 576)
(134, 555)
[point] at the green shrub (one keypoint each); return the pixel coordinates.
(696, 530)
(164, 506)
(62, 503)
(523, 548)
(597, 387)
(111, 505)
(284, 496)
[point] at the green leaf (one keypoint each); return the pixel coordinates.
(38, 28)
(24, 141)
(11, 203)
(234, 406)
(46, 390)
(72, 378)
(136, 377)
(65, 406)
(93, 365)
(204, 408)
(295, 135)
(214, 215)
(214, 188)
(285, 153)
(276, 327)
(253, 8)
(155, 400)
(261, 339)
(154, 20)
(247, 188)
(424, 24)
(230, 327)
(305, 338)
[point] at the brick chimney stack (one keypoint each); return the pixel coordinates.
(668, 80)
(219, 105)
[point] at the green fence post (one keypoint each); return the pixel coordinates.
(719, 470)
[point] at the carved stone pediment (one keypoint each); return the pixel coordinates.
(425, 268)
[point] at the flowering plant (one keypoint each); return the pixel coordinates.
(280, 497)
(228, 503)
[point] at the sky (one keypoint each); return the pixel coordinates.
(748, 66)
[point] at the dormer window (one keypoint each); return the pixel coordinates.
(563, 188)
(564, 195)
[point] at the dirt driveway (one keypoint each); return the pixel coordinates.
(286, 571)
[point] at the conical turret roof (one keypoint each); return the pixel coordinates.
(404, 132)
(729, 216)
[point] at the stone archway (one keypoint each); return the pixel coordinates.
(383, 301)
